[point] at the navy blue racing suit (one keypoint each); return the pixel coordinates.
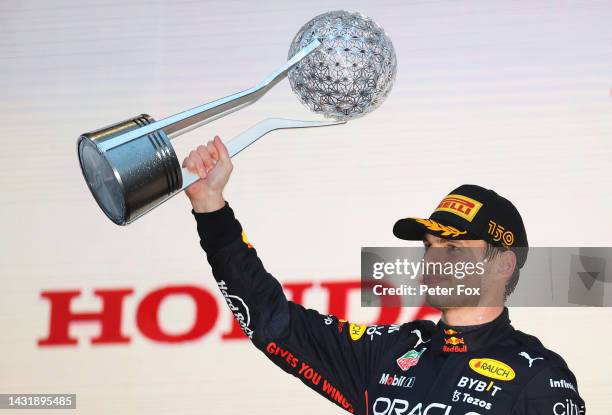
(416, 368)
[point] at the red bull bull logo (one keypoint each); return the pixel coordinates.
(454, 340)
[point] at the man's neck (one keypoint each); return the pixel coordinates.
(470, 316)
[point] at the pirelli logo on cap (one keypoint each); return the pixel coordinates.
(462, 206)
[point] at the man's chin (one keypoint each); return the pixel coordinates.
(444, 303)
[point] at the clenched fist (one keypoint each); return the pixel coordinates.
(214, 166)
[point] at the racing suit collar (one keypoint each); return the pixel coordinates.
(462, 339)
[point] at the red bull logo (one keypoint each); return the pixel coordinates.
(454, 344)
(450, 332)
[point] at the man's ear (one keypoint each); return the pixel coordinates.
(506, 263)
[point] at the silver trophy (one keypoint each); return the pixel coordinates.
(340, 64)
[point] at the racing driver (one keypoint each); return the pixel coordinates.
(473, 361)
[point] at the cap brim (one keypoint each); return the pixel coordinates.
(409, 229)
(413, 229)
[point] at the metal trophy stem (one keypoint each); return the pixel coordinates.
(185, 121)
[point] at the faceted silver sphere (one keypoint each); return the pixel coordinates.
(351, 73)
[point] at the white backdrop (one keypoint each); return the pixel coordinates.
(515, 96)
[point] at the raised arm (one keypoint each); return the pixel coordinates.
(332, 357)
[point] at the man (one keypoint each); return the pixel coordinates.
(471, 362)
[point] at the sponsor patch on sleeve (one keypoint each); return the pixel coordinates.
(357, 330)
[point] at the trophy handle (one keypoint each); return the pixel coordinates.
(248, 137)
(185, 121)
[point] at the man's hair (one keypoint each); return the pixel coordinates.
(491, 252)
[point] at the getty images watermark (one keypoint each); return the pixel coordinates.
(462, 276)
(430, 275)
